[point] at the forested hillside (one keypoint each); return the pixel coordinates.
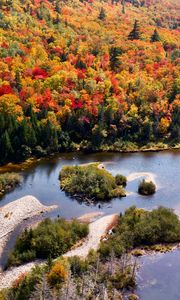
(94, 75)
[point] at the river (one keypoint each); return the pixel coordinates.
(41, 181)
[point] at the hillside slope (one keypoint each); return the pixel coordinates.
(73, 75)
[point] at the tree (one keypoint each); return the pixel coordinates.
(123, 6)
(18, 83)
(155, 36)
(135, 33)
(6, 147)
(175, 126)
(57, 275)
(102, 14)
(115, 52)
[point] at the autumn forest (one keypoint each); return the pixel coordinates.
(88, 75)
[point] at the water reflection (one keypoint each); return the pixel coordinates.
(41, 180)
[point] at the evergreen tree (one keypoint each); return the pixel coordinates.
(102, 14)
(80, 64)
(6, 147)
(28, 136)
(18, 83)
(114, 60)
(175, 126)
(123, 6)
(2, 124)
(57, 7)
(135, 33)
(155, 37)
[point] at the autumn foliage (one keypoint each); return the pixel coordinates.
(57, 275)
(70, 79)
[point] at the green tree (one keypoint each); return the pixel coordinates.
(102, 14)
(18, 83)
(155, 36)
(6, 147)
(135, 33)
(115, 52)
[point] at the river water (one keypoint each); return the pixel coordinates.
(41, 181)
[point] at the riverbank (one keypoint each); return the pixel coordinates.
(17, 212)
(21, 166)
(97, 230)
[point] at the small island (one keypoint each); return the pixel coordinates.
(91, 183)
(146, 188)
(9, 181)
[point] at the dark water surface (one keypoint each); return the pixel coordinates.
(159, 276)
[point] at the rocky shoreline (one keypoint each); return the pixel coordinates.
(16, 213)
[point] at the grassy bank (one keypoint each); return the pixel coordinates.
(8, 181)
(16, 166)
(116, 147)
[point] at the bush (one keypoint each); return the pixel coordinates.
(51, 238)
(121, 180)
(146, 188)
(77, 265)
(140, 228)
(89, 182)
(8, 181)
(25, 284)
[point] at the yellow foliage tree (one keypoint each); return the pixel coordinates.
(9, 105)
(57, 275)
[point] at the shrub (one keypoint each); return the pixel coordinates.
(89, 182)
(121, 180)
(8, 181)
(77, 265)
(140, 228)
(57, 275)
(146, 188)
(25, 284)
(51, 238)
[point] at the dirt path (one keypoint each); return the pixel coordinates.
(97, 230)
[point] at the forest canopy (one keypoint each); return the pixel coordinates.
(93, 75)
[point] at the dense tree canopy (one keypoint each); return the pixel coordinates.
(70, 78)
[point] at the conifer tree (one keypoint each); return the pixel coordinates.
(102, 14)
(114, 60)
(6, 147)
(18, 83)
(123, 6)
(155, 37)
(135, 33)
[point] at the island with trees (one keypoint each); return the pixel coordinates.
(146, 188)
(91, 183)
